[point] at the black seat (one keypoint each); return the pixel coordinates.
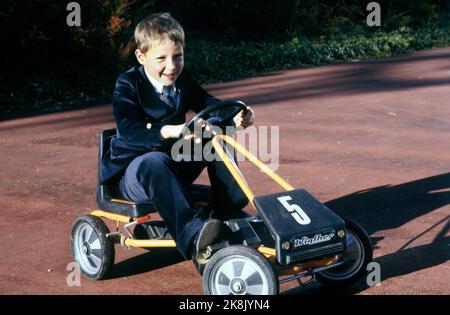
(110, 199)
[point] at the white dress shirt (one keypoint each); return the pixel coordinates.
(158, 86)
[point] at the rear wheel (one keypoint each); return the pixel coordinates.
(91, 248)
(239, 270)
(357, 256)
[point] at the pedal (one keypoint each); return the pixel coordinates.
(157, 230)
(244, 232)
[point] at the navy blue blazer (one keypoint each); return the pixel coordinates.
(139, 114)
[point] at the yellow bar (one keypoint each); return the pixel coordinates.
(235, 171)
(267, 251)
(149, 243)
(111, 216)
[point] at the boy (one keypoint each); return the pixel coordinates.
(150, 102)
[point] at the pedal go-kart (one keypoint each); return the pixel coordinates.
(294, 236)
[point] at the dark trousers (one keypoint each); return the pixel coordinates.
(157, 177)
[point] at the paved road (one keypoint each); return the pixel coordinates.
(369, 139)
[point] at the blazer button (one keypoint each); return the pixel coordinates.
(149, 126)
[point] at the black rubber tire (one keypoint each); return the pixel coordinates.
(361, 269)
(107, 251)
(240, 252)
(200, 267)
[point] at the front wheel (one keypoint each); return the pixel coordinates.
(239, 270)
(91, 248)
(357, 256)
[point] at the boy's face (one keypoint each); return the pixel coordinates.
(164, 62)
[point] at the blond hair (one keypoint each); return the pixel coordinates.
(155, 29)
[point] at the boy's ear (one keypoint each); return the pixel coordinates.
(139, 56)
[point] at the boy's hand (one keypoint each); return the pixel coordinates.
(174, 131)
(203, 124)
(245, 120)
(171, 131)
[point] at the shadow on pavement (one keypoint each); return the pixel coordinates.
(155, 259)
(414, 259)
(390, 207)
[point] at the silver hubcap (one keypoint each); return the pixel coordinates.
(87, 248)
(238, 275)
(354, 257)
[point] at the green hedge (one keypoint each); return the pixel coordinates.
(217, 62)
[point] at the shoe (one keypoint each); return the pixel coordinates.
(209, 234)
(156, 230)
(204, 213)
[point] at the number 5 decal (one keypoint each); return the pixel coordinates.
(299, 215)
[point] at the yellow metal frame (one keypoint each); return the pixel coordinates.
(129, 241)
(149, 243)
(111, 216)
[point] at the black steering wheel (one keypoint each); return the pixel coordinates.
(233, 108)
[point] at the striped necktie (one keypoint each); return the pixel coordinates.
(168, 96)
